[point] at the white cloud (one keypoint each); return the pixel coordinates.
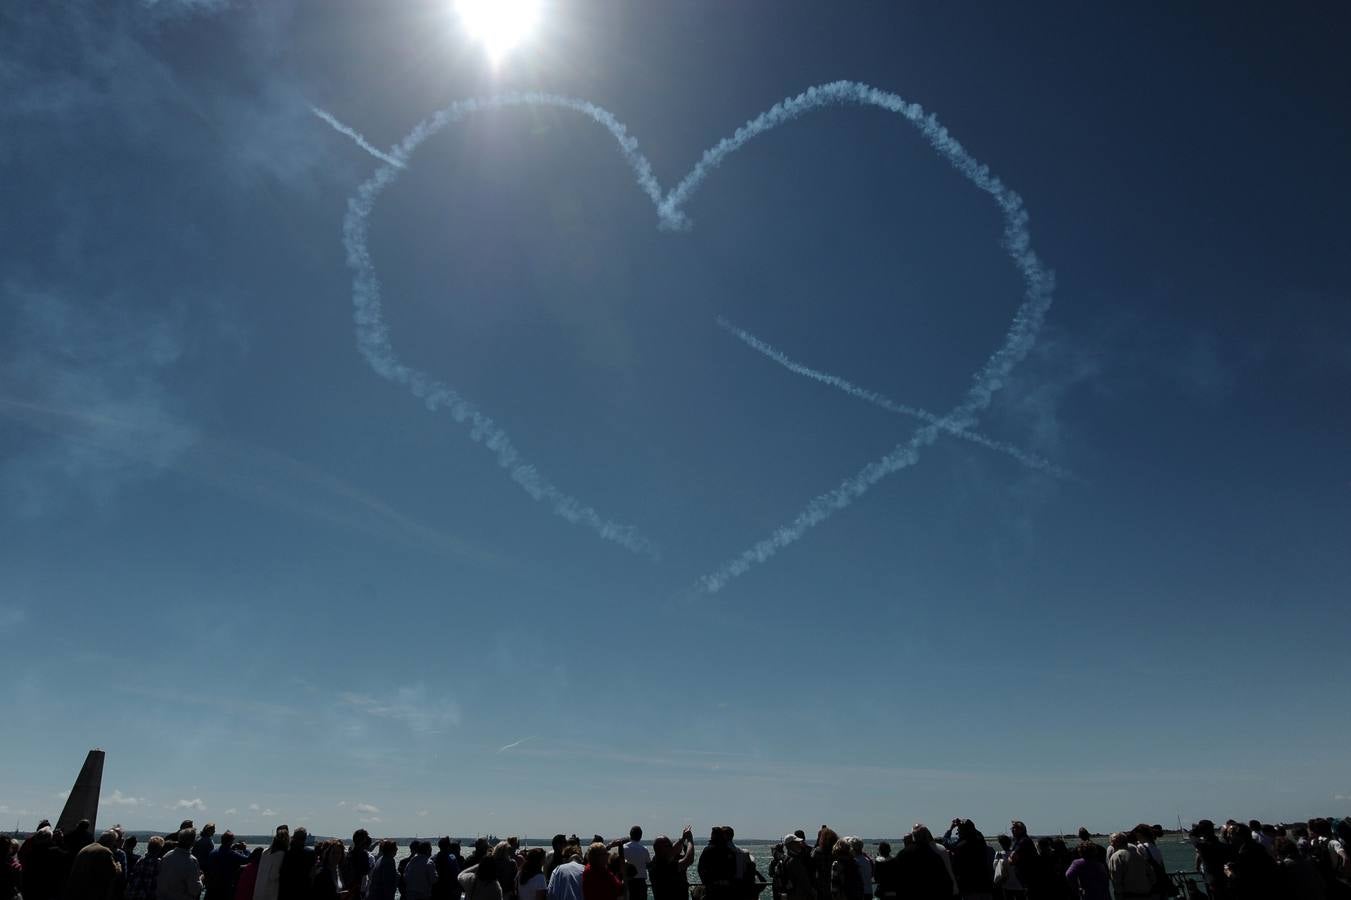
(1341, 796)
(117, 798)
(253, 807)
(61, 795)
(423, 813)
(231, 811)
(373, 820)
(366, 808)
(342, 802)
(195, 803)
(267, 812)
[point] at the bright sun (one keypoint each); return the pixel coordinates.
(498, 25)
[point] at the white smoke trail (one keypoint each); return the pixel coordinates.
(356, 136)
(1031, 460)
(373, 334)
(990, 378)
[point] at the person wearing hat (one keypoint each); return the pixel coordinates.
(795, 879)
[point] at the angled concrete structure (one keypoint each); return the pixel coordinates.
(83, 802)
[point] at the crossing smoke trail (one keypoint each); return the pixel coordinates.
(373, 334)
(356, 136)
(1031, 460)
(990, 378)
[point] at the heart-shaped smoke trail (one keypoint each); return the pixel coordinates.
(373, 335)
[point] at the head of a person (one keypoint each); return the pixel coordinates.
(636, 833)
(281, 839)
(227, 839)
(1286, 848)
(1143, 834)
(1005, 841)
(840, 850)
(333, 854)
(514, 842)
(361, 839)
(209, 830)
(129, 843)
(1343, 832)
(108, 839)
(481, 847)
(1254, 826)
(455, 847)
(729, 833)
(444, 843)
(827, 837)
(966, 829)
(559, 842)
(299, 838)
(1117, 840)
(502, 850)
(1017, 829)
(572, 851)
(84, 827)
(58, 836)
(1085, 834)
(186, 823)
(662, 847)
(534, 860)
(597, 856)
(884, 849)
(186, 838)
(389, 848)
(255, 855)
(1204, 829)
(1239, 833)
(154, 848)
(921, 834)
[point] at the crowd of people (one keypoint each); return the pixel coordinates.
(1239, 861)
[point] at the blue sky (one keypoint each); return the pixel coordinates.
(275, 587)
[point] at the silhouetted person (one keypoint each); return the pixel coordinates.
(447, 862)
(143, 881)
(79, 838)
(220, 873)
(270, 866)
(667, 874)
(297, 868)
(93, 872)
(180, 878)
(202, 848)
(248, 876)
(385, 873)
(1252, 870)
(921, 874)
(972, 862)
(1087, 876)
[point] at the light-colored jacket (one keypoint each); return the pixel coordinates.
(269, 875)
(180, 877)
(1131, 873)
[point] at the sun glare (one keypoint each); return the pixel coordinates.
(499, 25)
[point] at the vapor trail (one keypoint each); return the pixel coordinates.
(373, 334)
(1031, 460)
(514, 744)
(988, 379)
(356, 136)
